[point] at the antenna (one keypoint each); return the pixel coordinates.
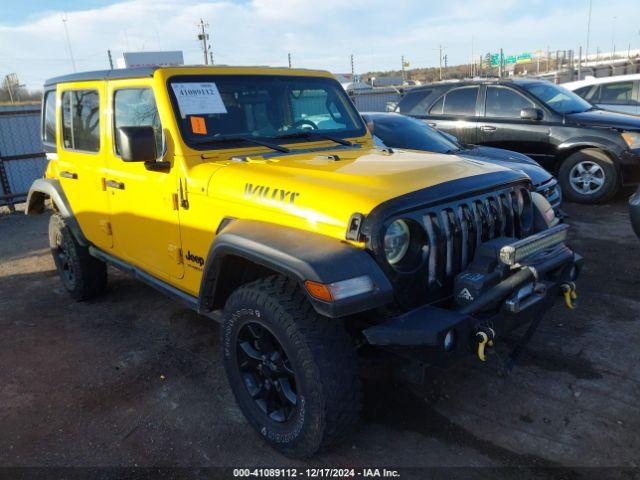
(66, 35)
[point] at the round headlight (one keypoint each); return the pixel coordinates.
(396, 241)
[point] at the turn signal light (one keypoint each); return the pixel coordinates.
(318, 290)
(339, 290)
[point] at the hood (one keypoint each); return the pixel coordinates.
(508, 159)
(323, 189)
(605, 118)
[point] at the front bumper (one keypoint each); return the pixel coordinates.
(420, 333)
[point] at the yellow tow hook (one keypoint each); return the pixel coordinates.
(484, 339)
(570, 295)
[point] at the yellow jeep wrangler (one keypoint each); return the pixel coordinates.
(258, 193)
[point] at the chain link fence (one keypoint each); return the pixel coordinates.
(21, 157)
(376, 99)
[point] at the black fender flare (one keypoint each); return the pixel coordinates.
(50, 187)
(300, 255)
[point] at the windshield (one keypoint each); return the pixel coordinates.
(398, 131)
(558, 98)
(223, 111)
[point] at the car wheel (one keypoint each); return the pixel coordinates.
(82, 275)
(588, 176)
(294, 373)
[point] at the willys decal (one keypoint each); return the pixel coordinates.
(268, 193)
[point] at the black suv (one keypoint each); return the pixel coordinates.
(592, 151)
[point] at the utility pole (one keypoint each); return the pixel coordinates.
(203, 36)
(404, 75)
(501, 64)
(353, 69)
(440, 55)
(613, 42)
(580, 62)
(66, 35)
(289, 58)
(586, 53)
(472, 65)
(110, 59)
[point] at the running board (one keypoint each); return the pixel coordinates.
(163, 287)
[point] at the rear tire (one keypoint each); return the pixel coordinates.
(588, 176)
(82, 275)
(310, 396)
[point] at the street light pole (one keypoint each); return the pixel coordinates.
(586, 52)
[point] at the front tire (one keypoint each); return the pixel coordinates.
(293, 372)
(82, 275)
(588, 176)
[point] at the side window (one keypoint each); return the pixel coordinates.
(436, 108)
(136, 107)
(505, 103)
(81, 120)
(583, 91)
(49, 118)
(461, 101)
(414, 103)
(620, 93)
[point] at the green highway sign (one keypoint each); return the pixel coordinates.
(524, 57)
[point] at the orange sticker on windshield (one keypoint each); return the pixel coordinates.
(198, 125)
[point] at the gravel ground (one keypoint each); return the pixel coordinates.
(134, 379)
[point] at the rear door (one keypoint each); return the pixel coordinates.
(500, 125)
(618, 97)
(81, 149)
(455, 112)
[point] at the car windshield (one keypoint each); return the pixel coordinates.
(223, 111)
(398, 131)
(558, 98)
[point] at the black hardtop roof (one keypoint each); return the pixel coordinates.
(142, 72)
(117, 73)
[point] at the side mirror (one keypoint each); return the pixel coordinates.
(448, 136)
(529, 113)
(137, 144)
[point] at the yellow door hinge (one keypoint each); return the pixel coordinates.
(175, 252)
(105, 226)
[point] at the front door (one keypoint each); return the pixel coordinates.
(82, 147)
(143, 201)
(500, 125)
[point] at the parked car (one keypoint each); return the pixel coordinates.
(310, 246)
(591, 151)
(620, 93)
(399, 131)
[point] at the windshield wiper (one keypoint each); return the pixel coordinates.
(313, 134)
(272, 146)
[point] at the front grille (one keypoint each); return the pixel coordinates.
(453, 233)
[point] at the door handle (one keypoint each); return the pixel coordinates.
(70, 175)
(432, 124)
(114, 184)
(487, 128)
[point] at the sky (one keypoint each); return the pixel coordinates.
(318, 33)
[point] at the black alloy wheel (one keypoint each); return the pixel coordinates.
(267, 372)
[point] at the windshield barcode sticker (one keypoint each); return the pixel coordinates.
(198, 98)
